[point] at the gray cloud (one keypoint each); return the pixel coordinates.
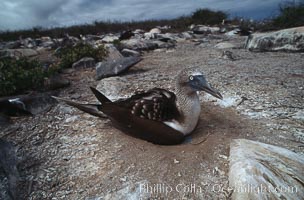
(21, 14)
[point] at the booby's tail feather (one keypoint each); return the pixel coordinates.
(101, 98)
(92, 109)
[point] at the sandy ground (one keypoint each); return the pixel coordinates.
(71, 155)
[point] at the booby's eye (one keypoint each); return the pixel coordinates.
(191, 78)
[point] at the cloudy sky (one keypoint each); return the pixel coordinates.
(22, 14)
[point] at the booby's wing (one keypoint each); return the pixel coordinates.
(143, 114)
(155, 104)
(146, 129)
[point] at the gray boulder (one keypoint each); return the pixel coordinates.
(17, 53)
(201, 29)
(225, 45)
(85, 62)
(161, 45)
(115, 67)
(8, 164)
(114, 88)
(284, 40)
(129, 53)
(12, 45)
(110, 38)
(139, 44)
(263, 171)
(113, 53)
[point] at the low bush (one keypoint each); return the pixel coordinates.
(20, 75)
(208, 17)
(291, 15)
(71, 54)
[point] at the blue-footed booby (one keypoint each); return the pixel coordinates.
(157, 115)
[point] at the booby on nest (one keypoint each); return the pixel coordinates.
(157, 115)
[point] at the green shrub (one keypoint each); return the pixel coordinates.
(291, 15)
(20, 75)
(208, 17)
(70, 55)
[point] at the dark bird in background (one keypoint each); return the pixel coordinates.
(13, 107)
(126, 35)
(158, 115)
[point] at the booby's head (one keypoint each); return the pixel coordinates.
(192, 80)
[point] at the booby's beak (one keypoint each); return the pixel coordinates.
(199, 83)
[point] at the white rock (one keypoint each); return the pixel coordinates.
(85, 62)
(284, 40)
(113, 53)
(114, 87)
(129, 52)
(110, 38)
(263, 171)
(19, 53)
(201, 29)
(155, 30)
(138, 44)
(71, 119)
(225, 45)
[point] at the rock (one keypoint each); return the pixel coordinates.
(71, 119)
(110, 38)
(233, 32)
(115, 67)
(155, 30)
(113, 87)
(48, 44)
(28, 43)
(201, 29)
(149, 36)
(85, 62)
(129, 52)
(228, 55)
(263, 171)
(284, 40)
(17, 53)
(12, 45)
(162, 45)
(69, 40)
(167, 37)
(9, 162)
(186, 35)
(225, 45)
(113, 53)
(138, 31)
(138, 44)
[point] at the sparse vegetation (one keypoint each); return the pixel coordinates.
(291, 15)
(69, 55)
(208, 17)
(20, 75)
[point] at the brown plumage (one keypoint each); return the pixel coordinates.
(157, 115)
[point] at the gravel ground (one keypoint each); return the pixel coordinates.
(67, 154)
